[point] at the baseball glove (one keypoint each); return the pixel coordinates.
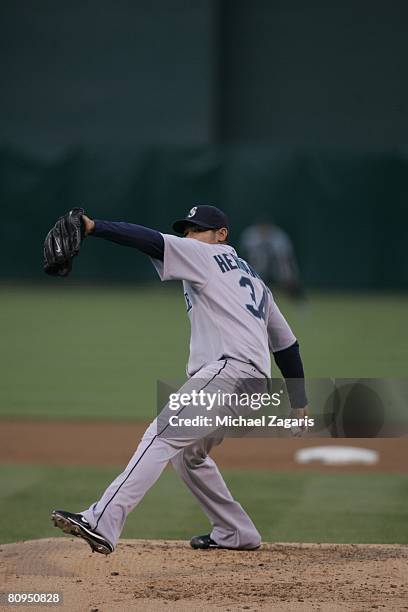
(63, 242)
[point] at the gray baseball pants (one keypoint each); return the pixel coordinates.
(188, 453)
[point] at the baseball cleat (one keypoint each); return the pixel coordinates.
(204, 542)
(77, 525)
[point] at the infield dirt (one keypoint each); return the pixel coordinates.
(113, 443)
(159, 575)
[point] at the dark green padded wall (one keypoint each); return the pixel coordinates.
(347, 214)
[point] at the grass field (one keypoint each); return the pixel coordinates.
(289, 507)
(81, 352)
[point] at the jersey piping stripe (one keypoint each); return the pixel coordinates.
(149, 445)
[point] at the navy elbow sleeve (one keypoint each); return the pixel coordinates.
(290, 364)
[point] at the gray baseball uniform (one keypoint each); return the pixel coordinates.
(234, 325)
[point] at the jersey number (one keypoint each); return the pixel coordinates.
(258, 310)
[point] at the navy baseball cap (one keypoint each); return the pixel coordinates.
(207, 217)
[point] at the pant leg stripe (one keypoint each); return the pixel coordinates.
(150, 443)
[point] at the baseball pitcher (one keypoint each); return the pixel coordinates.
(235, 324)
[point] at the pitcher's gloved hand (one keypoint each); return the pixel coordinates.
(63, 242)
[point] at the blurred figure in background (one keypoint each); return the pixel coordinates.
(269, 249)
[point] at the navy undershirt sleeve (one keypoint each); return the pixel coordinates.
(290, 364)
(146, 240)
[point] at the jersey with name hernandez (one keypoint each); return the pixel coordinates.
(232, 313)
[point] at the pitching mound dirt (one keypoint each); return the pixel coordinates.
(159, 575)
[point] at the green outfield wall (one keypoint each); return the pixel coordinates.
(346, 212)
